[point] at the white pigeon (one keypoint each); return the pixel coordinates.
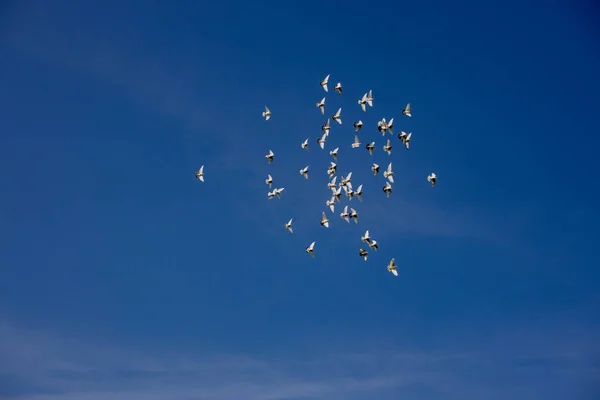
(270, 155)
(337, 193)
(331, 203)
(432, 178)
(200, 174)
(338, 88)
(358, 192)
(322, 141)
(324, 221)
(370, 147)
(373, 244)
(277, 192)
(406, 111)
(331, 170)
(387, 189)
(304, 172)
(269, 180)
(392, 267)
(353, 215)
(375, 169)
(346, 180)
(370, 98)
(334, 153)
(266, 113)
(305, 145)
(349, 191)
(388, 173)
(270, 195)
(324, 83)
(345, 215)
(366, 238)
(288, 226)
(363, 253)
(363, 102)
(331, 185)
(357, 125)
(321, 105)
(405, 138)
(311, 249)
(388, 147)
(326, 127)
(356, 143)
(337, 117)
(382, 126)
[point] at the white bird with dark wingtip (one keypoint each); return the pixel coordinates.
(337, 117)
(322, 141)
(366, 238)
(363, 102)
(304, 145)
(388, 147)
(346, 180)
(392, 267)
(358, 192)
(277, 192)
(373, 245)
(349, 191)
(357, 125)
(324, 83)
(304, 172)
(288, 226)
(311, 249)
(324, 221)
(406, 111)
(353, 215)
(363, 253)
(321, 105)
(269, 180)
(334, 153)
(387, 189)
(375, 169)
(356, 143)
(405, 138)
(270, 155)
(331, 170)
(200, 174)
(345, 215)
(370, 147)
(331, 203)
(337, 193)
(370, 98)
(266, 113)
(326, 127)
(331, 185)
(338, 88)
(388, 173)
(432, 178)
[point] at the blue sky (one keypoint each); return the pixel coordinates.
(122, 277)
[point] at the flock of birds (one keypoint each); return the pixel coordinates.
(345, 182)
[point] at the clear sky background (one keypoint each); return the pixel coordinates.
(123, 277)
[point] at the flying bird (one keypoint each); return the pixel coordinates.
(358, 192)
(277, 192)
(375, 169)
(331, 170)
(370, 147)
(334, 153)
(338, 88)
(345, 215)
(406, 111)
(324, 221)
(346, 180)
(305, 145)
(200, 174)
(266, 113)
(311, 249)
(331, 203)
(405, 138)
(288, 226)
(363, 253)
(337, 193)
(269, 180)
(331, 185)
(337, 117)
(373, 244)
(322, 141)
(326, 127)
(271, 195)
(324, 83)
(432, 178)
(270, 155)
(356, 143)
(366, 238)
(392, 267)
(353, 215)
(388, 147)
(349, 191)
(388, 173)
(304, 172)
(387, 189)
(363, 102)
(357, 125)
(321, 105)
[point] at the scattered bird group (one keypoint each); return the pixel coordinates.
(345, 182)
